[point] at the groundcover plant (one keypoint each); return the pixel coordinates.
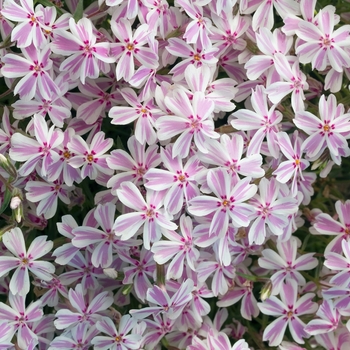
(174, 174)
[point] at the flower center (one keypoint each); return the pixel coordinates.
(130, 47)
(297, 161)
(226, 203)
(118, 338)
(197, 57)
(25, 261)
(66, 154)
(150, 213)
(90, 158)
(290, 314)
(182, 178)
(326, 128)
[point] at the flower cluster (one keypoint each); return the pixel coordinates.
(171, 172)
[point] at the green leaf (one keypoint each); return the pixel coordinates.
(78, 14)
(6, 201)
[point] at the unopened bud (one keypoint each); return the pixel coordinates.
(16, 204)
(266, 290)
(8, 166)
(111, 273)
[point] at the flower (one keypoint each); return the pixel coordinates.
(227, 204)
(34, 67)
(130, 47)
(24, 260)
(331, 131)
(88, 57)
(289, 308)
(117, 339)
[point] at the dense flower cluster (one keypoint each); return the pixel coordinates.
(166, 174)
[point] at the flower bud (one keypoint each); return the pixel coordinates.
(8, 166)
(266, 291)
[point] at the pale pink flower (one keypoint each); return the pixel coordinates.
(87, 56)
(34, 152)
(286, 264)
(294, 166)
(192, 119)
(47, 194)
(326, 225)
(178, 248)
(265, 121)
(34, 67)
(117, 339)
(20, 320)
(29, 28)
(196, 56)
(178, 180)
(170, 306)
(133, 166)
(24, 260)
(323, 45)
(288, 310)
(89, 307)
(331, 131)
(227, 204)
(197, 30)
(147, 214)
(131, 47)
(143, 113)
(91, 157)
(272, 210)
(328, 321)
(295, 83)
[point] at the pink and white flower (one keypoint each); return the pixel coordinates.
(24, 260)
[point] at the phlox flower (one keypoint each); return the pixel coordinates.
(192, 56)
(88, 306)
(285, 264)
(294, 165)
(47, 194)
(295, 83)
(227, 204)
(24, 260)
(34, 67)
(57, 106)
(339, 338)
(228, 154)
(6, 26)
(91, 157)
(178, 248)
(221, 275)
(241, 290)
(263, 11)
(144, 113)
(198, 30)
(192, 119)
(272, 210)
(61, 168)
(6, 131)
(80, 337)
(178, 180)
(133, 166)
(328, 321)
(269, 44)
(30, 23)
(288, 310)
(131, 47)
(326, 225)
(147, 214)
(323, 45)
(32, 152)
(138, 271)
(265, 121)
(117, 339)
(228, 31)
(87, 57)
(331, 131)
(104, 240)
(220, 91)
(338, 262)
(18, 319)
(83, 271)
(172, 307)
(101, 101)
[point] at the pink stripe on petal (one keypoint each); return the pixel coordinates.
(14, 242)
(19, 283)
